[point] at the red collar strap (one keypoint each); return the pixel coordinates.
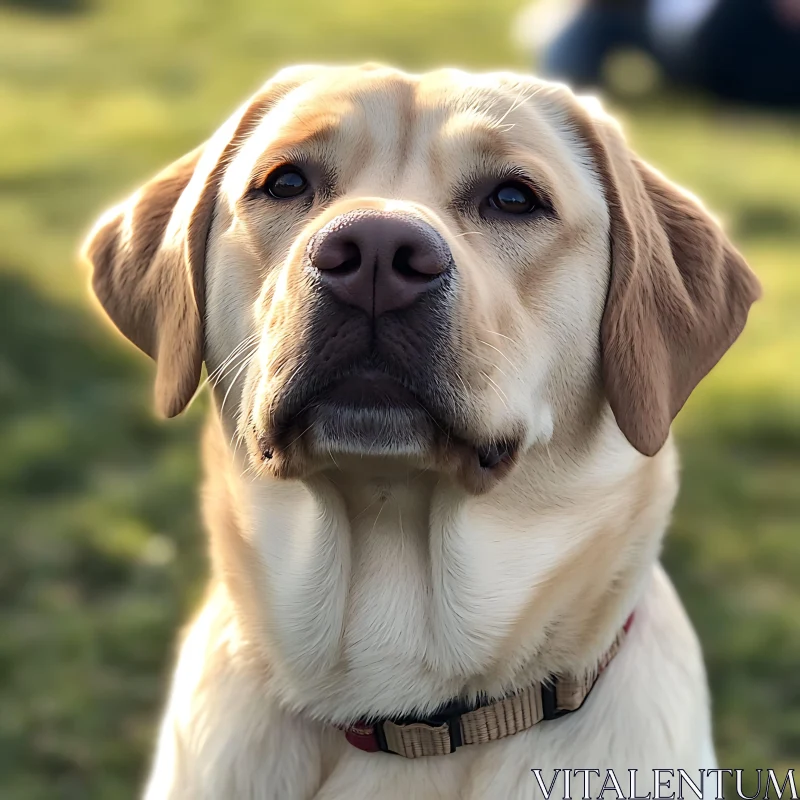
(458, 723)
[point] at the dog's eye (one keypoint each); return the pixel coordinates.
(514, 197)
(286, 182)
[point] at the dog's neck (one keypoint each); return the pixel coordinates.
(368, 593)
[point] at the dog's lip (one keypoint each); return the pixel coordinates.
(497, 455)
(367, 389)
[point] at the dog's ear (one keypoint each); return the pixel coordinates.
(678, 295)
(148, 275)
(148, 254)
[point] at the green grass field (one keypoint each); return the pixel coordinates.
(102, 557)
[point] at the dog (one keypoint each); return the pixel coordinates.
(447, 321)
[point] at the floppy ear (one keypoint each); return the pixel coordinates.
(678, 295)
(148, 253)
(148, 276)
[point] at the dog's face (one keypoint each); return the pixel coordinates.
(445, 270)
(425, 274)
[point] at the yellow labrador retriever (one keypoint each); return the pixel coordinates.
(448, 320)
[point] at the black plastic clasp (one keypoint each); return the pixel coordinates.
(450, 715)
(550, 709)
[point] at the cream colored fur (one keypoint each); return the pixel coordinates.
(378, 583)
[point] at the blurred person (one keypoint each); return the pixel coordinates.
(740, 50)
(577, 38)
(745, 50)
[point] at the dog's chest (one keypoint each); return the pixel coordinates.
(418, 604)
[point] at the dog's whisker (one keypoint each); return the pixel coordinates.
(495, 367)
(244, 365)
(522, 97)
(463, 385)
(243, 358)
(213, 374)
(498, 350)
(217, 373)
(497, 333)
(500, 393)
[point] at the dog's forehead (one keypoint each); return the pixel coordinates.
(383, 112)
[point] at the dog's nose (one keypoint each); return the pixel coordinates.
(379, 261)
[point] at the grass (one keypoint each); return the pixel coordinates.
(101, 556)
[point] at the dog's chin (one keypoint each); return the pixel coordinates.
(378, 430)
(383, 423)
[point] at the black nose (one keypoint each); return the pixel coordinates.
(379, 261)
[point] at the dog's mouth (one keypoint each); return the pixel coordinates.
(370, 390)
(366, 411)
(372, 413)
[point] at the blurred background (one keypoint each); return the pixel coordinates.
(101, 555)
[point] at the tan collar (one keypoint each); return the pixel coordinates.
(459, 723)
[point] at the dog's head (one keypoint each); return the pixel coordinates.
(446, 269)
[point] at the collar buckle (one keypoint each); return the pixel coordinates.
(411, 736)
(550, 709)
(450, 715)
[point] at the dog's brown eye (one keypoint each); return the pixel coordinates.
(514, 197)
(286, 182)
